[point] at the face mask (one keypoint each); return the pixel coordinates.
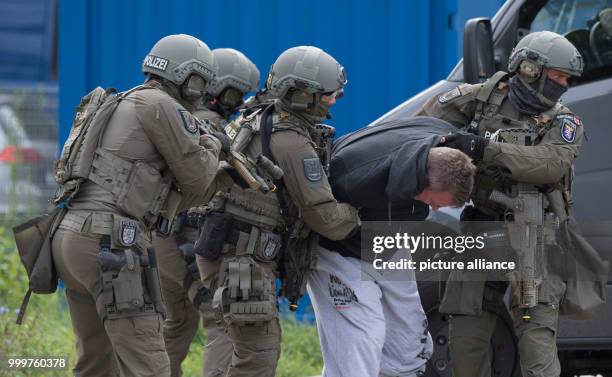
(526, 99)
(552, 90)
(229, 100)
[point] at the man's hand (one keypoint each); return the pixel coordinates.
(472, 145)
(226, 142)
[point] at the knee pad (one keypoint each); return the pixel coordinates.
(246, 295)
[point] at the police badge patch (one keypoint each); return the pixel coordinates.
(569, 125)
(449, 96)
(127, 232)
(312, 169)
(190, 123)
(270, 245)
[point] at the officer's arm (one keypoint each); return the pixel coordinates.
(546, 162)
(455, 106)
(309, 188)
(192, 159)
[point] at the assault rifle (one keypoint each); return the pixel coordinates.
(530, 229)
(249, 170)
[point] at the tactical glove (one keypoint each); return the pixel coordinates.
(226, 142)
(472, 145)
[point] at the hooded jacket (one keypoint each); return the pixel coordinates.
(380, 169)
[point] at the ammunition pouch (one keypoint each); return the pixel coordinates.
(247, 296)
(213, 234)
(130, 283)
(139, 189)
(253, 207)
(260, 244)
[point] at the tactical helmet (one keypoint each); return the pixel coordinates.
(235, 70)
(546, 50)
(306, 68)
(176, 57)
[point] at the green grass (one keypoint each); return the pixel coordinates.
(300, 355)
(46, 330)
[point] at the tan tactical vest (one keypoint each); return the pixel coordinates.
(136, 188)
(493, 117)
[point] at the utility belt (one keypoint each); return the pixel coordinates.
(221, 232)
(123, 231)
(130, 284)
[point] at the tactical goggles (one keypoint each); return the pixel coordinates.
(335, 94)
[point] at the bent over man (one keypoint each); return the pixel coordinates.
(371, 322)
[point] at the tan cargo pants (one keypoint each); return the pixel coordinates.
(182, 318)
(470, 340)
(244, 351)
(126, 347)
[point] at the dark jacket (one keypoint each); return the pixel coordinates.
(380, 169)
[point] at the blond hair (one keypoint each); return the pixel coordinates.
(451, 170)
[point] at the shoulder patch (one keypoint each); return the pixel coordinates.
(569, 125)
(190, 122)
(312, 169)
(449, 96)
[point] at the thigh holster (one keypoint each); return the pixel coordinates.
(246, 296)
(130, 283)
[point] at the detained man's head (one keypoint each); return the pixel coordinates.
(451, 178)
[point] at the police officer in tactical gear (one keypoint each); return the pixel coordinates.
(185, 295)
(148, 161)
(271, 222)
(237, 76)
(525, 100)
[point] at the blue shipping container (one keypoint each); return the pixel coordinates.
(391, 49)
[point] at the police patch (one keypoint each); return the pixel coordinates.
(312, 169)
(569, 126)
(190, 123)
(271, 244)
(156, 62)
(449, 96)
(127, 232)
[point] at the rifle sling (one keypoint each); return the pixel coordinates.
(266, 136)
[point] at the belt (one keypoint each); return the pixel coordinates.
(103, 223)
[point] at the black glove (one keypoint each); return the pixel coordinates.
(226, 142)
(472, 145)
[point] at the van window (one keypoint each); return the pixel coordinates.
(588, 25)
